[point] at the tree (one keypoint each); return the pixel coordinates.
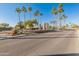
(55, 13)
(18, 10)
(60, 8)
(75, 26)
(29, 10)
(30, 23)
(4, 25)
(64, 18)
(60, 11)
(34, 21)
(24, 10)
(37, 13)
(41, 14)
(19, 24)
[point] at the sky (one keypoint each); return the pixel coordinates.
(9, 15)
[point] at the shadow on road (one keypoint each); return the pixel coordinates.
(68, 54)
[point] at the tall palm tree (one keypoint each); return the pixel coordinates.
(24, 10)
(64, 18)
(54, 12)
(29, 10)
(41, 14)
(37, 13)
(18, 10)
(60, 10)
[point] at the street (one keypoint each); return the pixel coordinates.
(42, 44)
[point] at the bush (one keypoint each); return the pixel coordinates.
(63, 27)
(74, 26)
(54, 28)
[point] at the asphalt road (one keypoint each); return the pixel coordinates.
(42, 44)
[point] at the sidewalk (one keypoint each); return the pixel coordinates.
(4, 36)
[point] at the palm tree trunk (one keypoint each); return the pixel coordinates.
(55, 20)
(60, 24)
(30, 15)
(24, 16)
(19, 20)
(64, 23)
(24, 19)
(60, 20)
(38, 22)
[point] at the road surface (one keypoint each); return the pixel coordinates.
(42, 44)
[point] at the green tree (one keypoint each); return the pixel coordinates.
(30, 23)
(60, 11)
(29, 10)
(64, 18)
(18, 10)
(4, 25)
(55, 13)
(75, 26)
(60, 8)
(34, 21)
(19, 24)
(24, 10)
(37, 13)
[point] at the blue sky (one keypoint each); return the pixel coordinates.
(9, 15)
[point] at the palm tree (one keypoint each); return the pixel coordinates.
(24, 10)
(18, 10)
(60, 10)
(54, 12)
(59, 13)
(64, 18)
(29, 10)
(37, 13)
(41, 14)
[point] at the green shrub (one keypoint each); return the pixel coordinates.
(54, 28)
